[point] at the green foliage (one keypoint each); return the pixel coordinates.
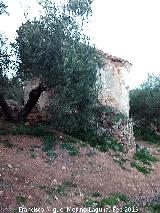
(154, 206)
(4, 64)
(90, 202)
(14, 90)
(147, 134)
(145, 170)
(112, 199)
(145, 101)
(21, 199)
(55, 49)
(96, 194)
(144, 156)
(49, 140)
(49, 143)
(72, 150)
(4, 57)
(60, 189)
(36, 131)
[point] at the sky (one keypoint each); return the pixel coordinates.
(128, 29)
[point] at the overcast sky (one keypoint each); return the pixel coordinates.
(129, 29)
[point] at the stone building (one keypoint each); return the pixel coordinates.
(114, 93)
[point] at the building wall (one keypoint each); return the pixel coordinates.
(115, 88)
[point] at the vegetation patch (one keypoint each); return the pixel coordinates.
(144, 156)
(49, 142)
(111, 200)
(144, 169)
(21, 199)
(121, 162)
(96, 194)
(59, 190)
(33, 155)
(147, 134)
(154, 207)
(72, 150)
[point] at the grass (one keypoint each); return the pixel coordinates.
(51, 153)
(145, 170)
(103, 143)
(144, 156)
(49, 139)
(72, 150)
(36, 131)
(121, 162)
(96, 194)
(49, 142)
(59, 190)
(154, 207)
(111, 200)
(33, 155)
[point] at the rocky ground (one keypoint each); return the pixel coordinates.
(30, 177)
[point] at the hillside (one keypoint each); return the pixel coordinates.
(70, 175)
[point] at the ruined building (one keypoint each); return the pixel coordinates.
(115, 88)
(114, 93)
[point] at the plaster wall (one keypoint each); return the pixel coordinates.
(115, 88)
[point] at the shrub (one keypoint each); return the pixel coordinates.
(145, 102)
(147, 134)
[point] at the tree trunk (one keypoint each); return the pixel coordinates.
(21, 116)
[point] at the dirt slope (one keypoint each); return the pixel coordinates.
(29, 177)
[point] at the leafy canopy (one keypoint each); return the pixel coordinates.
(4, 57)
(145, 101)
(55, 49)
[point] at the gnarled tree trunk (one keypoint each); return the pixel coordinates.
(21, 116)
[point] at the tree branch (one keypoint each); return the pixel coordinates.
(33, 99)
(21, 116)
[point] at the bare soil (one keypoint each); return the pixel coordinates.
(28, 176)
